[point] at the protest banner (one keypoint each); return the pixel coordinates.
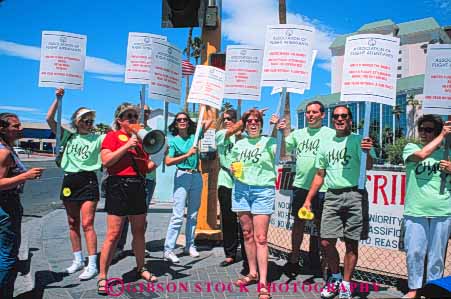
(166, 72)
(62, 62)
(369, 69)
(243, 73)
(62, 65)
(437, 80)
(139, 57)
(369, 74)
(286, 62)
(386, 196)
(287, 56)
(207, 88)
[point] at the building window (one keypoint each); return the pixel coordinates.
(399, 59)
(399, 67)
(400, 51)
(399, 76)
(301, 116)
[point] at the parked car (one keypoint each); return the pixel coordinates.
(19, 150)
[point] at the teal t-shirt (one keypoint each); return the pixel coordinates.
(179, 146)
(257, 156)
(306, 143)
(423, 198)
(82, 152)
(224, 147)
(340, 157)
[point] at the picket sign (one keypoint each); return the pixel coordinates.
(437, 89)
(287, 63)
(369, 74)
(62, 65)
(207, 88)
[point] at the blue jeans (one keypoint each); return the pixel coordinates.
(187, 190)
(10, 236)
(425, 235)
(150, 188)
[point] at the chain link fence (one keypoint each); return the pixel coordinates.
(380, 265)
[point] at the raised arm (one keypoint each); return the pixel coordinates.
(429, 148)
(50, 118)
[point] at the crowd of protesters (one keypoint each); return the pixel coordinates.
(326, 184)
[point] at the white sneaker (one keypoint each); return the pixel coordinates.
(89, 273)
(170, 256)
(345, 293)
(192, 252)
(76, 266)
(331, 288)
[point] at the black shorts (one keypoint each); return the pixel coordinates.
(299, 196)
(125, 195)
(80, 186)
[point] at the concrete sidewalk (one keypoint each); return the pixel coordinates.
(46, 252)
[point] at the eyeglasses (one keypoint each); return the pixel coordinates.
(131, 116)
(426, 129)
(343, 116)
(88, 121)
(181, 120)
(252, 121)
(228, 118)
(146, 111)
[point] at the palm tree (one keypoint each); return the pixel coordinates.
(226, 106)
(102, 128)
(397, 111)
(193, 49)
(414, 103)
(286, 109)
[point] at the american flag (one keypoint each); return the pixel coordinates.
(187, 68)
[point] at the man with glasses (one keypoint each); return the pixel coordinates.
(150, 188)
(338, 164)
(305, 142)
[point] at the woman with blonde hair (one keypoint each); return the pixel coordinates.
(127, 164)
(80, 188)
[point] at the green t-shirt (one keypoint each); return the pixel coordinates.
(224, 147)
(257, 156)
(82, 152)
(423, 198)
(340, 157)
(306, 144)
(179, 146)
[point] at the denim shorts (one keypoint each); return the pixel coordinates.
(259, 200)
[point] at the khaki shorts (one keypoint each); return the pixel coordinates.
(345, 215)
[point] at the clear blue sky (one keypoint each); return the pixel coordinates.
(107, 23)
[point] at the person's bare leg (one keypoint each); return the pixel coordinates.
(331, 255)
(88, 211)
(249, 242)
(114, 229)
(73, 219)
(297, 235)
(261, 223)
(351, 257)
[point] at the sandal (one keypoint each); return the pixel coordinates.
(151, 277)
(247, 280)
(263, 292)
(102, 288)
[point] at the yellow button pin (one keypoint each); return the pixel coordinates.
(66, 192)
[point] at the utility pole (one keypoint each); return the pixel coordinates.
(207, 220)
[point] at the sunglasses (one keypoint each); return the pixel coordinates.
(426, 129)
(88, 121)
(131, 116)
(181, 120)
(228, 119)
(253, 121)
(343, 116)
(146, 111)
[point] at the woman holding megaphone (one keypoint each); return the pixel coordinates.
(187, 183)
(127, 164)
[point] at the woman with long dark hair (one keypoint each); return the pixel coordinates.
(226, 137)
(187, 184)
(127, 164)
(13, 175)
(80, 188)
(427, 212)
